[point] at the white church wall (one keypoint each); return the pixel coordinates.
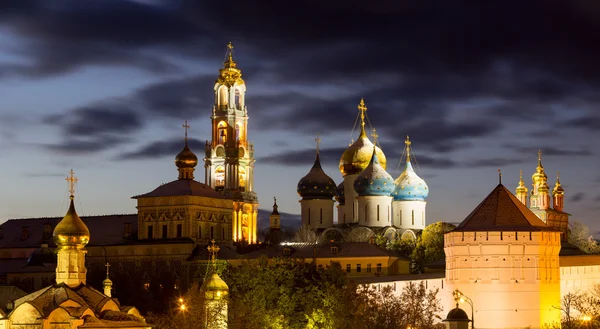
(375, 211)
(317, 213)
(409, 214)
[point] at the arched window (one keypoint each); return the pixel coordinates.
(220, 176)
(237, 132)
(237, 99)
(222, 98)
(222, 132)
(242, 178)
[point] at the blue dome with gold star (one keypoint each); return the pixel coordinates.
(374, 180)
(409, 186)
(316, 184)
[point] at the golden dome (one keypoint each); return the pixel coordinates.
(521, 189)
(358, 156)
(539, 177)
(71, 231)
(215, 283)
(186, 158)
(558, 189)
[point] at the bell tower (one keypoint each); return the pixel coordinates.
(229, 159)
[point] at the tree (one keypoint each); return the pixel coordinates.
(305, 234)
(579, 235)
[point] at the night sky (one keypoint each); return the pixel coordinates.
(103, 87)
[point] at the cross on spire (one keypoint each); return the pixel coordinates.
(213, 250)
(185, 129)
(520, 175)
(375, 136)
(107, 266)
(318, 140)
(407, 142)
(71, 180)
(362, 108)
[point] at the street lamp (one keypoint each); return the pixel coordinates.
(586, 319)
(460, 297)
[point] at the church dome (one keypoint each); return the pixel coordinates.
(316, 184)
(374, 180)
(558, 189)
(186, 158)
(457, 314)
(71, 231)
(409, 186)
(358, 155)
(215, 283)
(339, 194)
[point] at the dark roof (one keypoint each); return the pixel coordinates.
(457, 314)
(502, 211)
(104, 230)
(182, 187)
(8, 294)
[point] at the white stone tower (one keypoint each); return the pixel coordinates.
(229, 159)
(505, 259)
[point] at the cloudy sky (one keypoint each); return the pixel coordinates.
(103, 87)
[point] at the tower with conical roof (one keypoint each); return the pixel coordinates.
(107, 283)
(558, 194)
(317, 191)
(353, 161)
(502, 252)
(229, 155)
(275, 217)
(410, 192)
(71, 235)
(374, 187)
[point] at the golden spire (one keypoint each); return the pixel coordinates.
(558, 189)
(362, 108)
(318, 140)
(407, 142)
(521, 189)
(107, 265)
(71, 230)
(185, 128)
(229, 62)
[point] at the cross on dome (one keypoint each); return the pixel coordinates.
(375, 136)
(213, 249)
(185, 128)
(318, 140)
(107, 265)
(362, 108)
(407, 142)
(72, 180)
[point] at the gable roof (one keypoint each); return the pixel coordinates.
(502, 211)
(182, 187)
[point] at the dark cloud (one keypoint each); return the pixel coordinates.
(589, 122)
(304, 158)
(161, 149)
(43, 175)
(83, 146)
(551, 151)
(577, 197)
(492, 162)
(97, 120)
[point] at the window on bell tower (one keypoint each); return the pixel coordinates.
(222, 132)
(237, 99)
(237, 132)
(222, 97)
(220, 176)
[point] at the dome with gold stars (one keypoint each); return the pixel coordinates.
(316, 184)
(358, 155)
(409, 186)
(374, 180)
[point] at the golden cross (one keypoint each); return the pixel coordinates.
(407, 142)
(318, 140)
(107, 266)
(520, 175)
(71, 180)
(185, 128)
(540, 155)
(374, 135)
(230, 46)
(213, 250)
(362, 108)
(557, 176)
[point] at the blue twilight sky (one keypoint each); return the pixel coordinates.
(103, 87)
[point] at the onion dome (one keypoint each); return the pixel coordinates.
(186, 160)
(374, 180)
(316, 184)
(215, 283)
(409, 186)
(358, 155)
(457, 315)
(71, 231)
(521, 189)
(339, 194)
(539, 177)
(558, 189)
